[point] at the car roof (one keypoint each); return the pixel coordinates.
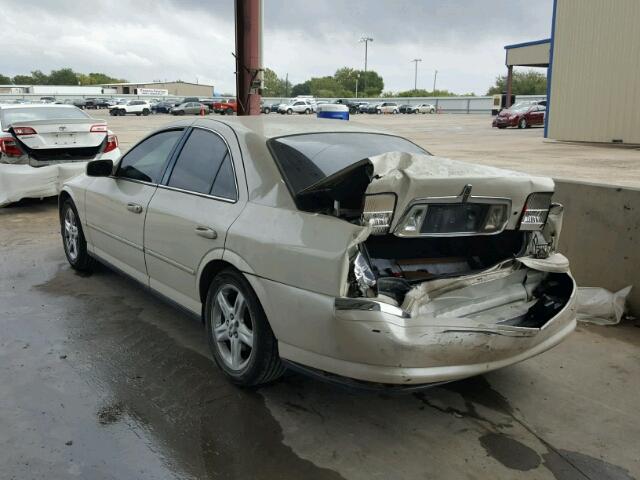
(269, 127)
(7, 106)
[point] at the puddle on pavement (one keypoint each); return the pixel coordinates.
(164, 382)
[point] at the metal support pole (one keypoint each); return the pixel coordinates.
(248, 15)
(435, 76)
(365, 40)
(509, 85)
(415, 75)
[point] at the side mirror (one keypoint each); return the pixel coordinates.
(100, 168)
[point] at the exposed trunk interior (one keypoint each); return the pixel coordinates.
(400, 263)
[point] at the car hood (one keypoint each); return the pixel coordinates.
(417, 176)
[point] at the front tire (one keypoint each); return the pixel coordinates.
(145, 112)
(267, 111)
(239, 335)
(73, 240)
(289, 112)
(522, 123)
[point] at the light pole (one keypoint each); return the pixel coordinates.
(435, 76)
(415, 77)
(364, 39)
(357, 79)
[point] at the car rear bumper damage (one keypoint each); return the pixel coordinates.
(374, 344)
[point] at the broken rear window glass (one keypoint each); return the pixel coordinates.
(306, 159)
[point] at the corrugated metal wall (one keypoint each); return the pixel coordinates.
(595, 87)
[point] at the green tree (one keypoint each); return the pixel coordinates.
(426, 93)
(39, 78)
(274, 86)
(303, 88)
(22, 80)
(64, 76)
(4, 80)
(530, 82)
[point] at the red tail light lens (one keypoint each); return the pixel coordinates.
(9, 147)
(112, 143)
(24, 131)
(98, 128)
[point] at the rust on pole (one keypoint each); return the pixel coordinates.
(248, 55)
(509, 85)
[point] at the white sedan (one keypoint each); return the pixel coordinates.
(42, 145)
(331, 248)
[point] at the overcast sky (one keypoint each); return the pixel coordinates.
(146, 40)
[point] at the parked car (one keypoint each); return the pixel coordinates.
(363, 107)
(47, 99)
(226, 107)
(81, 103)
(425, 108)
(521, 115)
(374, 108)
(297, 106)
(406, 108)
(136, 107)
(387, 107)
(189, 108)
(352, 105)
(186, 100)
(267, 108)
(330, 248)
(36, 138)
(162, 107)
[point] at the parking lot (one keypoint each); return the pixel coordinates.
(101, 379)
(469, 138)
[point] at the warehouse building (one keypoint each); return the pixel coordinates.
(177, 89)
(593, 60)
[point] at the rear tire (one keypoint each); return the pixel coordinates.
(267, 111)
(238, 332)
(307, 111)
(145, 112)
(73, 240)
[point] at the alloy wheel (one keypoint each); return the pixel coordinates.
(71, 234)
(232, 327)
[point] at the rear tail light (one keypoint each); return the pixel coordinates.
(112, 143)
(24, 131)
(98, 128)
(536, 210)
(378, 211)
(9, 147)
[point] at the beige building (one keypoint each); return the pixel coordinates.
(593, 59)
(177, 89)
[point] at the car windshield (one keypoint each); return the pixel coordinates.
(306, 159)
(520, 107)
(13, 115)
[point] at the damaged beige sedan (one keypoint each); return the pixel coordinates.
(331, 248)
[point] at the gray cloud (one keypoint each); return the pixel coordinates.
(192, 40)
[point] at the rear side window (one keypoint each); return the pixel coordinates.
(147, 160)
(204, 166)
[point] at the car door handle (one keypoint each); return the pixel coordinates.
(134, 207)
(206, 232)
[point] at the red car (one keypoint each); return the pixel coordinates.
(521, 115)
(225, 107)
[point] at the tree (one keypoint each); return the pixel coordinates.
(64, 76)
(301, 89)
(529, 82)
(22, 80)
(273, 85)
(4, 80)
(426, 93)
(39, 78)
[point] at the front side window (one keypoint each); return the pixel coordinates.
(309, 158)
(204, 166)
(147, 160)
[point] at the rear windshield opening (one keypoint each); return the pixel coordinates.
(306, 159)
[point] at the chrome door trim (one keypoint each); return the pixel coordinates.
(173, 263)
(115, 237)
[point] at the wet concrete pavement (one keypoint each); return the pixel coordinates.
(101, 379)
